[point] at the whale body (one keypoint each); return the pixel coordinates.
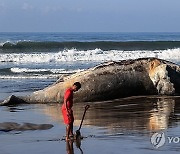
(112, 80)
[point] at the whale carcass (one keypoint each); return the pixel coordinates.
(111, 80)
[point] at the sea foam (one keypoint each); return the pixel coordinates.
(55, 71)
(96, 55)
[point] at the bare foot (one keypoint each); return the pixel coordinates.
(67, 138)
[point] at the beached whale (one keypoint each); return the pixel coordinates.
(111, 80)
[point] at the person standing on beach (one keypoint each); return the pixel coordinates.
(67, 111)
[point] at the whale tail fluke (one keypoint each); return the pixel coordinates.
(12, 100)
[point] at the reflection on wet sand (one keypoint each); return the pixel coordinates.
(159, 117)
(70, 147)
(136, 113)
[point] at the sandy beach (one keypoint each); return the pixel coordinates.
(117, 126)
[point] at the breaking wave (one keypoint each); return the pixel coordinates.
(96, 55)
(55, 71)
(27, 73)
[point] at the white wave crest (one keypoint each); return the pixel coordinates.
(29, 77)
(55, 71)
(2, 43)
(97, 55)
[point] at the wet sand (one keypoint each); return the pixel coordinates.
(118, 126)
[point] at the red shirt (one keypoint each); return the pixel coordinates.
(68, 115)
(69, 97)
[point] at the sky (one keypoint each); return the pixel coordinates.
(89, 15)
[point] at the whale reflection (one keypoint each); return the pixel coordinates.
(160, 114)
(135, 113)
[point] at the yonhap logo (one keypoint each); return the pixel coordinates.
(158, 139)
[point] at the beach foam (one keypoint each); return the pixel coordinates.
(29, 77)
(27, 70)
(26, 73)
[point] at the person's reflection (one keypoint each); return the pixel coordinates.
(69, 147)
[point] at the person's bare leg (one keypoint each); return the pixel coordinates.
(68, 127)
(71, 129)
